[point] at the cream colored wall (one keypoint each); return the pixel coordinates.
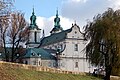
(38, 35)
(69, 56)
(48, 63)
(73, 33)
(74, 37)
(33, 61)
(45, 63)
(69, 64)
(32, 38)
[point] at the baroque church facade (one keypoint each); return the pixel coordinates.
(62, 49)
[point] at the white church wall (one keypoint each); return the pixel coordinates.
(70, 65)
(74, 38)
(32, 61)
(48, 63)
(26, 61)
(71, 56)
(31, 36)
(38, 35)
(70, 48)
(75, 33)
(35, 61)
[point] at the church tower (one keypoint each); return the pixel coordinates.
(57, 27)
(34, 33)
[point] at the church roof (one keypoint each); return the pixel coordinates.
(56, 29)
(32, 42)
(38, 53)
(53, 38)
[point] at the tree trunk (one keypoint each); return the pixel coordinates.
(108, 68)
(108, 72)
(12, 57)
(5, 49)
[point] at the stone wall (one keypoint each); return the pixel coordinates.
(39, 68)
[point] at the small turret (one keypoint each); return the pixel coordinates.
(33, 21)
(57, 21)
(57, 27)
(34, 33)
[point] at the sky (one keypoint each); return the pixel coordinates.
(70, 11)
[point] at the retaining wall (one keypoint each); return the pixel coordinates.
(39, 68)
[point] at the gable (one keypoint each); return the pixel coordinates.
(75, 33)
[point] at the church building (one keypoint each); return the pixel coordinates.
(62, 49)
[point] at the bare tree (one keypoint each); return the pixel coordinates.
(17, 32)
(4, 25)
(5, 10)
(13, 30)
(5, 7)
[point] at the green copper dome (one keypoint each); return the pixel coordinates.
(57, 26)
(33, 21)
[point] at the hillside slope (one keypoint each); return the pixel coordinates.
(13, 73)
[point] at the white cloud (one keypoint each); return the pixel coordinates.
(48, 23)
(79, 10)
(40, 22)
(116, 4)
(66, 23)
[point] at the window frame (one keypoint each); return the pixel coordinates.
(76, 65)
(75, 47)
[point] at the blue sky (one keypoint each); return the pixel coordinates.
(45, 8)
(69, 11)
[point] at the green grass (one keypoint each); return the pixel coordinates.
(13, 73)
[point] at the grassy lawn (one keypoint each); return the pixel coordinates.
(13, 73)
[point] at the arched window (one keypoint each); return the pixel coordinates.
(39, 63)
(33, 54)
(26, 62)
(76, 64)
(35, 36)
(76, 47)
(34, 62)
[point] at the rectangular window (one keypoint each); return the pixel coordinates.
(26, 62)
(39, 63)
(76, 64)
(35, 36)
(76, 47)
(34, 62)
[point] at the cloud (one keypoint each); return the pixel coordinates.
(81, 10)
(48, 23)
(77, 10)
(116, 4)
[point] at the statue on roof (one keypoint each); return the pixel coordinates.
(57, 20)
(33, 18)
(57, 27)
